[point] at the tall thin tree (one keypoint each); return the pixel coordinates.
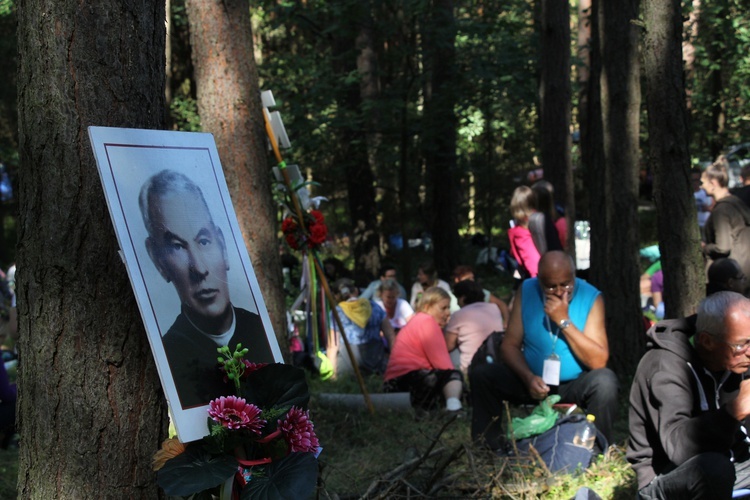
(229, 107)
(91, 412)
(669, 158)
(620, 94)
(554, 101)
(439, 132)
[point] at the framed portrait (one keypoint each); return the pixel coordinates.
(187, 262)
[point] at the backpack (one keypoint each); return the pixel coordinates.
(556, 447)
(489, 351)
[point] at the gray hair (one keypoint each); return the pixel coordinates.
(388, 284)
(713, 310)
(158, 185)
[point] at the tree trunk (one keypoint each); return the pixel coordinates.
(592, 157)
(439, 134)
(91, 412)
(620, 105)
(230, 108)
(679, 237)
(554, 98)
(352, 155)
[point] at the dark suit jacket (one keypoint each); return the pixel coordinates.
(193, 357)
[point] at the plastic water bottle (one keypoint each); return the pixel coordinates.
(587, 435)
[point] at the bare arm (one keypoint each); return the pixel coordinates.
(502, 306)
(589, 345)
(510, 351)
(388, 332)
(451, 340)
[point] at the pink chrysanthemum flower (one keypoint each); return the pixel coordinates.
(298, 431)
(234, 413)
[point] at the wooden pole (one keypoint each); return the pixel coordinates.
(318, 268)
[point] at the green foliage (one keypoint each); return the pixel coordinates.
(717, 86)
(184, 110)
(7, 7)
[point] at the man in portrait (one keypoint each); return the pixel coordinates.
(189, 251)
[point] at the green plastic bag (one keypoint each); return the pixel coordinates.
(542, 418)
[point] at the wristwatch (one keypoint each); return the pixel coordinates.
(564, 324)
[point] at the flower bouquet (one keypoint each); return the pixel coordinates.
(312, 236)
(261, 442)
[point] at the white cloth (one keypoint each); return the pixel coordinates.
(401, 315)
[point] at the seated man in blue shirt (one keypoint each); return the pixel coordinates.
(555, 337)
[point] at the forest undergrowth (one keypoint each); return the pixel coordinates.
(391, 454)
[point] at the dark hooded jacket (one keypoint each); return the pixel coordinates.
(677, 406)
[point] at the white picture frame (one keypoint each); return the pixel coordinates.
(129, 158)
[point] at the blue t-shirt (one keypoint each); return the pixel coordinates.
(539, 331)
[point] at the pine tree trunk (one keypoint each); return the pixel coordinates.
(554, 101)
(679, 236)
(439, 134)
(91, 411)
(353, 155)
(230, 108)
(620, 105)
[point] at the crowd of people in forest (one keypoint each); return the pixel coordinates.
(689, 399)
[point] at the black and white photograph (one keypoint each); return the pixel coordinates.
(187, 262)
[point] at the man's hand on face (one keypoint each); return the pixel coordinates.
(537, 388)
(740, 407)
(556, 307)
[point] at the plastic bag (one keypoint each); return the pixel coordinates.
(542, 418)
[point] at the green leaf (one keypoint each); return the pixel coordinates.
(277, 385)
(294, 476)
(195, 470)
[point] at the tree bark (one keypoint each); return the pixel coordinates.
(91, 412)
(679, 237)
(592, 157)
(230, 108)
(554, 99)
(439, 133)
(620, 106)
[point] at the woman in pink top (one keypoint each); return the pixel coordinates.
(522, 246)
(420, 363)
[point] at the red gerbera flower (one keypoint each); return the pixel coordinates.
(298, 431)
(234, 413)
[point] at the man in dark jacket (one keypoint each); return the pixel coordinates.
(689, 402)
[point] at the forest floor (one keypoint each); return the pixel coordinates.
(391, 454)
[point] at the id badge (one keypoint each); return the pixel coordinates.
(551, 370)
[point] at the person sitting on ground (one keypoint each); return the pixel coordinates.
(427, 277)
(689, 404)
(473, 323)
(556, 320)
(387, 272)
(420, 363)
(398, 311)
(363, 321)
(522, 246)
(462, 273)
(725, 275)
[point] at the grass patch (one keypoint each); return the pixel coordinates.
(364, 452)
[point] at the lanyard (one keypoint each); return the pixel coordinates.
(554, 337)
